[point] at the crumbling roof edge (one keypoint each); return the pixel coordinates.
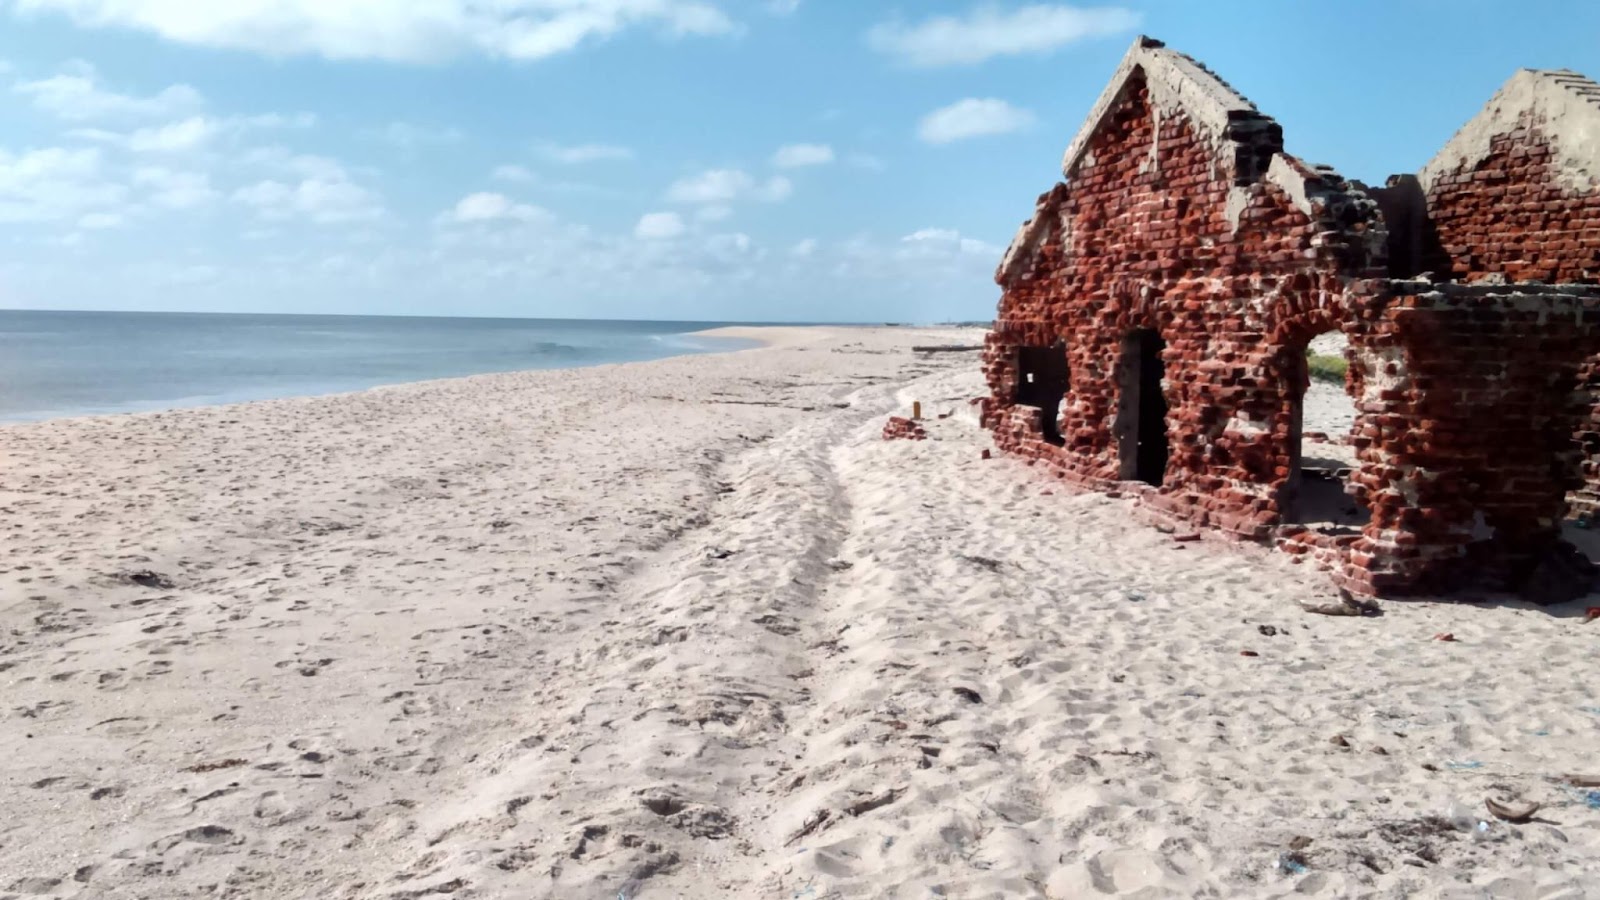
(1567, 102)
(1026, 243)
(1175, 80)
(1304, 183)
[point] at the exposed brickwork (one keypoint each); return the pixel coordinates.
(1194, 226)
(1153, 246)
(1526, 207)
(1585, 498)
(901, 428)
(1514, 217)
(1466, 451)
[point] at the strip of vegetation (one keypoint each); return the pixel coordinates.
(1327, 368)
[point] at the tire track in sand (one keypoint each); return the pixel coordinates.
(699, 670)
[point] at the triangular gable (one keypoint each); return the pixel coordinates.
(1564, 104)
(1178, 84)
(1249, 142)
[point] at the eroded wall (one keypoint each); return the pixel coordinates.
(1515, 214)
(1156, 232)
(1516, 197)
(1466, 395)
(1465, 400)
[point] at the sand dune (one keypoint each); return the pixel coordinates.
(690, 628)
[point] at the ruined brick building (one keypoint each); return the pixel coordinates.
(1157, 307)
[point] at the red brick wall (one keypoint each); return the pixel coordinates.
(1510, 214)
(1467, 397)
(1152, 246)
(1469, 426)
(1585, 499)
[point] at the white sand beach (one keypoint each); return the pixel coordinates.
(691, 629)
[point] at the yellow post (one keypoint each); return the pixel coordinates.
(916, 410)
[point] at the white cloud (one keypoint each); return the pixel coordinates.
(945, 242)
(573, 154)
(78, 97)
(522, 175)
(720, 187)
(178, 137)
(729, 246)
(972, 117)
(513, 173)
(324, 200)
(490, 207)
(927, 256)
(989, 31)
(265, 195)
(796, 156)
(717, 186)
(775, 190)
(782, 7)
(713, 213)
(299, 165)
(336, 201)
(171, 189)
(190, 134)
(55, 184)
(658, 226)
(396, 30)
(805, 248)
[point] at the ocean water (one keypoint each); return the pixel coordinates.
(55, 364)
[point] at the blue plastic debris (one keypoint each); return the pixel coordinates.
(1464, 765)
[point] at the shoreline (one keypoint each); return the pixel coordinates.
(758, 337)
(735, 333)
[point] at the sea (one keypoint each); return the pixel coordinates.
(57, 364)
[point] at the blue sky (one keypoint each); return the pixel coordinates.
(785, 160)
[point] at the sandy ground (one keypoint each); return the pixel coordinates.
(691, 629)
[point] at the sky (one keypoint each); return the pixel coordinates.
(743, 160)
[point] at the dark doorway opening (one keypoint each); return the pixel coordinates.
(1321, 460)
(1042, 381)
(1142, 408)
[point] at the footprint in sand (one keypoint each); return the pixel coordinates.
(211, 835)
(150, 668)
(123, 726)
(61, 782)
(307, 668)
(273, 808)
(34, 885)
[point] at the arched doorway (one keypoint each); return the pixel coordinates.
(1142, 446)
